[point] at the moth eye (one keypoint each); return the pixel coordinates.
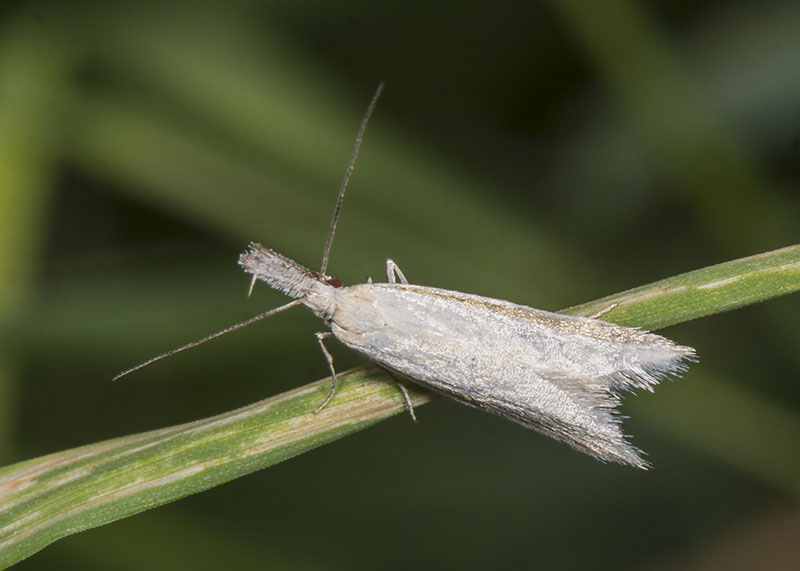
(334, 282)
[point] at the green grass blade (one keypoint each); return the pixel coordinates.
(44, 499)
(702, 292)
(47, 498)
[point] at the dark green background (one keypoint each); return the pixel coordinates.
(548, 153)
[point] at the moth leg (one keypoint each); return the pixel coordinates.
(393, 272)
(252, 285)
(606, 309)
(404, 391)
(320, 336)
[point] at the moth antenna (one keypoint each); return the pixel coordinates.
(347, 174)
(219, 333)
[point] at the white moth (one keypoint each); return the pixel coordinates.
(559, 375)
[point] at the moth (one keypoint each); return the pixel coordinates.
(559, 375)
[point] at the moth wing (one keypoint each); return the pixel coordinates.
(556, 374)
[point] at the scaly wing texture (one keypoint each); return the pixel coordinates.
(559, 375)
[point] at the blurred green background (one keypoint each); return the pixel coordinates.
(547, 153)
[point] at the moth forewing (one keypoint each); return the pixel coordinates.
(557, 374)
